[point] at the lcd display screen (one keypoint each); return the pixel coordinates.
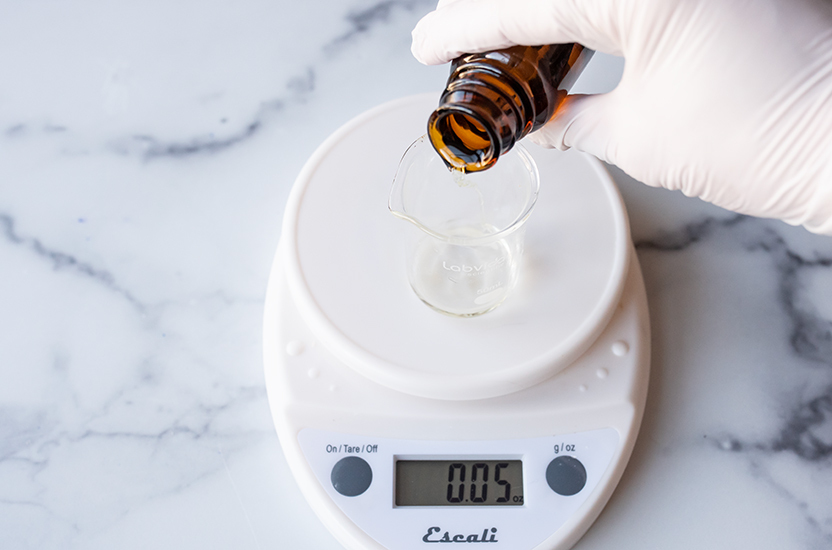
(459, 483)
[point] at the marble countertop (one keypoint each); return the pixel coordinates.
(146, 153)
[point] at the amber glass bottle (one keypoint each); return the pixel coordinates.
(494, 99)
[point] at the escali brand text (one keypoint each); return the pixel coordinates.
(433, 536)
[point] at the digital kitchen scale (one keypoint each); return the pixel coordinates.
(405, 427)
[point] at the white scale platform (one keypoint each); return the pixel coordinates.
(361, 374)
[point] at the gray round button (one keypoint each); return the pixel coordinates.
(351, 476)
(566, 475)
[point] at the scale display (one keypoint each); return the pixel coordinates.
(459, 483)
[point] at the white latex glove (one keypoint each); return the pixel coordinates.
(727, 100)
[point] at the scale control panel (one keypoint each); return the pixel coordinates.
(406, 494)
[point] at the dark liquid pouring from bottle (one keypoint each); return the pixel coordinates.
(466, 142)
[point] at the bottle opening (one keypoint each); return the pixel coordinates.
(462, 141)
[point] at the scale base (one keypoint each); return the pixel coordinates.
(328, 404)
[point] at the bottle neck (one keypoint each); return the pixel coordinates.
(480, 116)
(493, 99)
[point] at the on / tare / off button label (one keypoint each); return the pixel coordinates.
(351, 449)
(351, 476)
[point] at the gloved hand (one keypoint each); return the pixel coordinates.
(727, 100)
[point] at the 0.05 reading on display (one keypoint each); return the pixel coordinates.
(459, 482)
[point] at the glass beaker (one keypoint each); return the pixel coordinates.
(465, 237)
